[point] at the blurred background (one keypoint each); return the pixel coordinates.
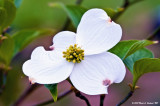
(137, 22)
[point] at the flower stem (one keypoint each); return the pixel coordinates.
(59, 97)
(26, 93)
(78, 94)
(102, 97)
(152, 36)
(126, 98)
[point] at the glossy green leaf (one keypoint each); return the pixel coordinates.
(143, 66)
(142, 53)
(24, 37)
(125, 48)
(10, 12)
(53, 90)
(138, 45)
(7, 50)
(75, 13)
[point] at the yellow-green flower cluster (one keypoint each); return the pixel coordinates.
(74, 54)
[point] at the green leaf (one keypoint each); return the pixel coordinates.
(53, 90)
(24, 37)
(143, 66)
(142, 53)
(7, 50)
(2, 16)
(138, 45)
(125, 48)
(10, 12)
(74, 12)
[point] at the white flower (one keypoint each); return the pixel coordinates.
(95, 35)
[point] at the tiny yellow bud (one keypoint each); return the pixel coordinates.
(71, 56)
(71, 47)
(70, 51)
(75, 45)
(78, 61)
(74, 61)
(74, 54)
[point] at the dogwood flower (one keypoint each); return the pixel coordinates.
(81, 56)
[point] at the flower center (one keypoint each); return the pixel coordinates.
(74, 54)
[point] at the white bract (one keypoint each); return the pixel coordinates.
(91, 75)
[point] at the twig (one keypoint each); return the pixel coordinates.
(126, 4)
(126, 98)
(79, 95)
(52, 101)
(29, 90)
(152, 36)
(102, 97)
(124, 7)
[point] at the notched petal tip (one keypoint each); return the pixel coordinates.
(51, 47)
(32, 80)
(106, 82)
(109, 20)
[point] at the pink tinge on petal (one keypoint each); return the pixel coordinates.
(106, 82)
(51, 47)
(110, 20)
(31, 80)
